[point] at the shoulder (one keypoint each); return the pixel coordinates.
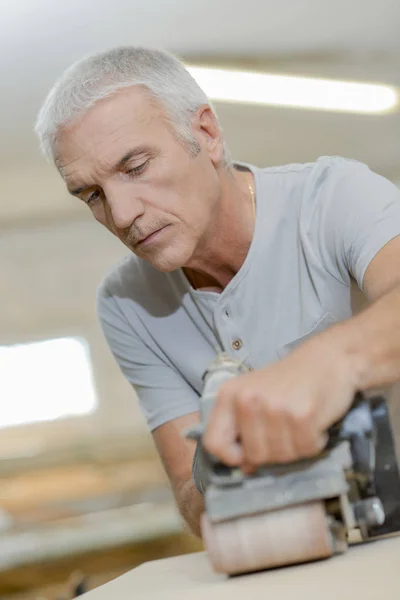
(328, 166)
(128, 283)
(345, 183)
(293, 190)
(133, 287)
(123, 292)
(116, 283)
(118, 280)
(331, 183)
(336, 168)
(300, 183)
(131, 278)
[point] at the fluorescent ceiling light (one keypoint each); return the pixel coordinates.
(298, 92)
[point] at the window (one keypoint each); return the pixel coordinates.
(44, 381)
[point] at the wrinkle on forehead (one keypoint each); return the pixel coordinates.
(121, 112)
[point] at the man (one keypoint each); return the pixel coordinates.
(257, 262)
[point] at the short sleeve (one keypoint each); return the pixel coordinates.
(352, 213)
(162, 392)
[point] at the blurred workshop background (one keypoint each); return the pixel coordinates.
(83, 496)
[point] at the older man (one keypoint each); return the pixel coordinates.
(257, 262)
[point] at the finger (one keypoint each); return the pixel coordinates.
(315, 445)
(220, 438)
(334, 411)
(280, 438)
(248, 469)
(308, 439)
(252, 429)
(322, 441)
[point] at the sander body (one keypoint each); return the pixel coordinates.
(296, 512)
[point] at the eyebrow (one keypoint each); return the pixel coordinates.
(143, 149)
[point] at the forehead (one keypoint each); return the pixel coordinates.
(130, 115)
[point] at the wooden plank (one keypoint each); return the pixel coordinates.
(22, 493)
(368, 571)
(97, 531)
(49, 579)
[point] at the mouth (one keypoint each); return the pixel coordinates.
(150, 238)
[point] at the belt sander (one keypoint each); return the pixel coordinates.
(297, 512)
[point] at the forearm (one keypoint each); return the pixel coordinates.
(371, 342)
(191, 505)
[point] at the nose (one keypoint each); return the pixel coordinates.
(123, 207)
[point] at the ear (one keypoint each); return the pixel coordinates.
(208, 133)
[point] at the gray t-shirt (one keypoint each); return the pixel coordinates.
(317, 226)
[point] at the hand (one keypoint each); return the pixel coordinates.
(281, 413)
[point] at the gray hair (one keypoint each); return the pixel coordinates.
(100, 75)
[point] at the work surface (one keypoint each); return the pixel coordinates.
(366, 571)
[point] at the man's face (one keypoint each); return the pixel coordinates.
(122, 159)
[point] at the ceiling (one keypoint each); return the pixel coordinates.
(347, 40)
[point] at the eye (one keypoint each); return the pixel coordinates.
(93, 197)
(136, 171)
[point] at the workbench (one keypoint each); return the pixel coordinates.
(367, 571)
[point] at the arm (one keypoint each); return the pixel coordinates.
(371, 339)
(281, 413)
(168, 403)
(176, 454)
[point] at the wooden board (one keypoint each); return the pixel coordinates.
(369, 571)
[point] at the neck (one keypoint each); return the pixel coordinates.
(220, 255)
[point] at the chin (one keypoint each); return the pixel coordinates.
(167, 260)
